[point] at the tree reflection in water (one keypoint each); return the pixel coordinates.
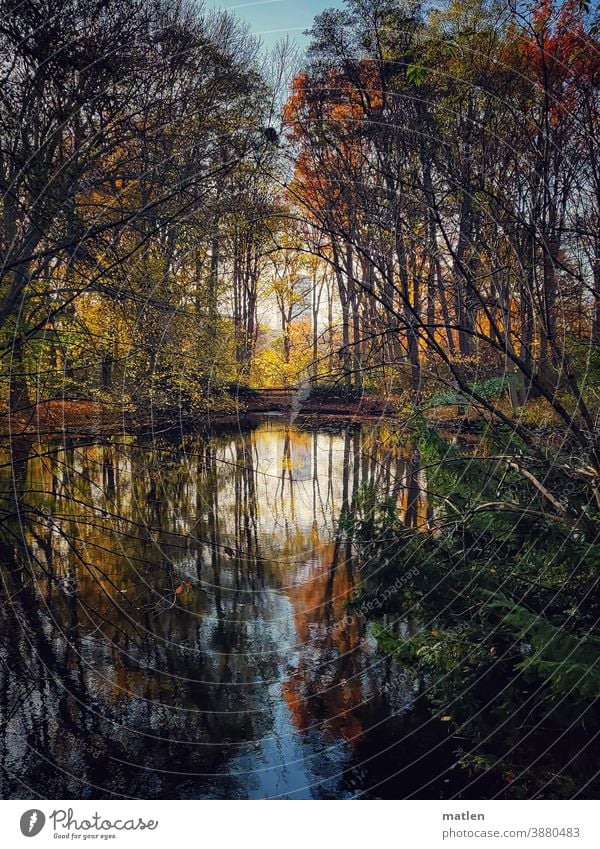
(174, 619)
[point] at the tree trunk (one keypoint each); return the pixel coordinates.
(18, 390)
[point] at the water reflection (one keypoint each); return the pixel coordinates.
(174, 622)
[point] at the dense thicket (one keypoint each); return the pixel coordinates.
(130, 133)
(429, 220)
(450, 160)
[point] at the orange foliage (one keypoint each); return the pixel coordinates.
(325, 117)
(561, 56)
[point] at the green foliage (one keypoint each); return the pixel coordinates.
(585, 361)
(489, 389)
(416, 74)
(570, 663)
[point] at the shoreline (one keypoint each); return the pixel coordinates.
(85, 419)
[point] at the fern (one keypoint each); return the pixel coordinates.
(487, 389)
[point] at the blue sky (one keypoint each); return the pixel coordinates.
(274, 19)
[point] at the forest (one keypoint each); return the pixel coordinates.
(397, 232)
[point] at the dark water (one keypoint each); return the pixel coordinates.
(173, 622)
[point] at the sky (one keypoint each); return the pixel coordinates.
(274, 19)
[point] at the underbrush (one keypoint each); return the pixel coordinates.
(497, 623)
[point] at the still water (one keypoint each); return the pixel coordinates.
(174, 621)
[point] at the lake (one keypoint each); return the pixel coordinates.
(175, 621)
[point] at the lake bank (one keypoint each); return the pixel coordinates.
(83, 418)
